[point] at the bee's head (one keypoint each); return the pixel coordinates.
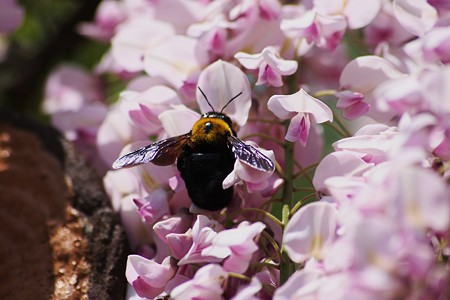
(220, 116)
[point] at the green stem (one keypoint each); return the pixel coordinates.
(339, 131)
(288, 187)
(304, 172)
(265, 213)
(285, 268)
(266, 205)
(300, 203)
(273, 243)
(239, 276)
(341, 125)
(323, 93)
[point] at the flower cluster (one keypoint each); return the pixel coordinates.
(350, 99)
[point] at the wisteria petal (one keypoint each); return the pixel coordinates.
(339, 164)
(178, 120)
(148, 277)
(416, 16)
(133, 40)
(303, 284)
(282, 66)
(249, 61)
(298, 129)
(310, 231)
(372, 146)
(249, 291)
(285, 106)
(359, 14)
(365, 73)
(175, 58)
(207, 284)
(154, 206)
(221, 81)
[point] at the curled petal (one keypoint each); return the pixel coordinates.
(154, 206)
(298, 129)
(148, 277)
(282, 66)
(352, 104)
(249, 61)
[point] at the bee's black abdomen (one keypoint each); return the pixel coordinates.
(203, 174)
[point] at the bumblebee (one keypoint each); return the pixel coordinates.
(204, 156)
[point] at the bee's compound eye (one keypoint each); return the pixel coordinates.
(208, 127)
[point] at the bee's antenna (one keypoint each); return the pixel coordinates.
(230, 101)
(206, 99)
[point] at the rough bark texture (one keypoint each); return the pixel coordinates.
(59, 237)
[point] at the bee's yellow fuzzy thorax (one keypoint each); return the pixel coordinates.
(211, 131)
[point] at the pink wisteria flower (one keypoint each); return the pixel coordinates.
(236, 245)
(108, 16)
(310, 232)
(208, 283)
(270, 66)
(416, 16)
(203, 232)
(351, 104)
(149, 278)
(360, 78)
(254, 180)
(360, 206)
(221, 81)
(302, 109)
(248, 292)
(325, 31)
(356, 13)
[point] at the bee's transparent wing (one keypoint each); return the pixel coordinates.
(250, 155)
(162, 153)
